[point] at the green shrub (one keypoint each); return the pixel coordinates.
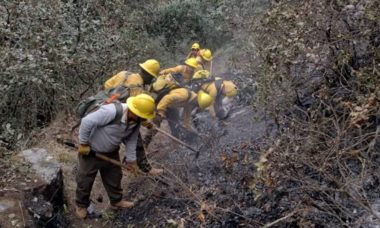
(53, 52)
(189, 20)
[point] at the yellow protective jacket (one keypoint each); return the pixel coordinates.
(203, 65)
(131, 80)
(226, 86)
(193, 54)
(186, 71)
(212, 89)
(178, 98)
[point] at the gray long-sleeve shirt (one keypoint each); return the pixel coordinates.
(97, 131)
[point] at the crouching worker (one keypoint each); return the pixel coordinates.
(222, 92)
(186, 70)
(171, 97)
(135, 81)
(102, 132)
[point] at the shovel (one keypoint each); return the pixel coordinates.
(176, 139)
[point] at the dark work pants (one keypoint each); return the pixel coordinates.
(172, 114)
(111, 175)
(142, 160)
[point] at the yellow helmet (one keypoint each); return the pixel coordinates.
(201, 74)
(229, 89)
(195, 46)
(142, 106)
(151, 66)
(204, 99)
(206, 54)
(192, 62)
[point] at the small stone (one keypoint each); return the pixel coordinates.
(5, 204)
(252, 211)
(35, 199)
(14, 222)
(11, 216)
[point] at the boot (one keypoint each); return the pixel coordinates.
(155, 171)
(123, 204)
(81, 212)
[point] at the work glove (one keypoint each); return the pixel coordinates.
(147, 124)
(84, 149)
(158, 119)
(131, 166)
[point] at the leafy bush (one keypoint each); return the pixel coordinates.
(189, 20)
(55, 52)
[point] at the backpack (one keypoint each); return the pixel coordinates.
(165, 87)
(93, 103)
(125, 77)
(196, 84)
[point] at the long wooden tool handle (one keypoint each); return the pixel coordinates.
(175, 139)
(100, 156)
(113, 161)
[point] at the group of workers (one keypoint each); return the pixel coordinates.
(154, 95)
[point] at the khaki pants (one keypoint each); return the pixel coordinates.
(111, 175)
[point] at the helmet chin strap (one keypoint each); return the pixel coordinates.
(129, 114)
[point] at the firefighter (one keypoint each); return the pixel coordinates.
(222, 92)
(171, 97)
(184, 71)
(204, 59)
(135, 81)
(100, 133)
(136, 84)
(194, 51)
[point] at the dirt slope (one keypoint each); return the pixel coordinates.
(210, 190)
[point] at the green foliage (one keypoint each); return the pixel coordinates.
(189, 20)
(48, 57)
(54, 52)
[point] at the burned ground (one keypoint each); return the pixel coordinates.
(212, 190)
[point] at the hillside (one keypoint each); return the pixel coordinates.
(299, 149)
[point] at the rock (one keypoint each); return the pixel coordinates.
(44, 165)
(172, 223)
(5, 204)
(11, 216)
(14, 222)
(252, 211)
(46, 199)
